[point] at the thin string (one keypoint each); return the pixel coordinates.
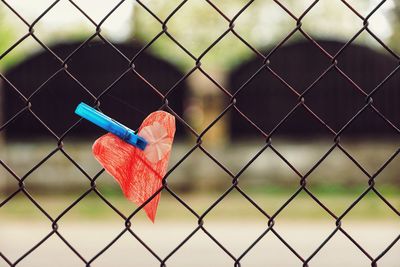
(130, 106)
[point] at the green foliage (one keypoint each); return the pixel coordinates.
(6, 38)
(233, 207)
(196, 25)
(395, 38)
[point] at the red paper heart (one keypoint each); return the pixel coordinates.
(136, 171)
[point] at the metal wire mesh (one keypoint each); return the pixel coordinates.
(235, 186)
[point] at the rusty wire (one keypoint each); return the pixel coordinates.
(235, 186)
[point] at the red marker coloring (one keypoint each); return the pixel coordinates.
(139, 172)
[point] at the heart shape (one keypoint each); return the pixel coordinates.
(139, 173)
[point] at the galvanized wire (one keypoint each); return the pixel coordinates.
(231, 93)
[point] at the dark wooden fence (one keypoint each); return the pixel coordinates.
(266, 100)
(96, 66)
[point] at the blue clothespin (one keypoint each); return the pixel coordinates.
(110, 125)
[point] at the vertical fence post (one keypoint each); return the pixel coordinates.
(208, 102)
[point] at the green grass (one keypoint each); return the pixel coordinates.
(233, 207)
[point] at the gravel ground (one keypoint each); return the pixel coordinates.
(89, 237)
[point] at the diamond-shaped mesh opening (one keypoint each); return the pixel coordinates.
(303, 155)
(267, 90)
(55, 247)
(202, 37)
(199, 190)
(88, 208)
(200, 244)
(269, 250)
(163, 76)
(347, 179)
(34, 149)
(286, 149)
(335, 13)
(51, 22)
(26, 76)
(46, 186)
(342, 256)
(229, 207)
(364, 72)
(377, 240)
(125, 247)
(228, 53)
(295, 68)
(334, 89)
(79, 152)
(302, 120)
(84, 58)
(373, 158)
(27, 120)
(118, 25)
(18, 237)
(292, 210)
(27, 14)
(63, 110)
(253, 24)
(132, 97)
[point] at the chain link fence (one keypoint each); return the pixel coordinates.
(232, 93)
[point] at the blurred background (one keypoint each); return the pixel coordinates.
(99, 61)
